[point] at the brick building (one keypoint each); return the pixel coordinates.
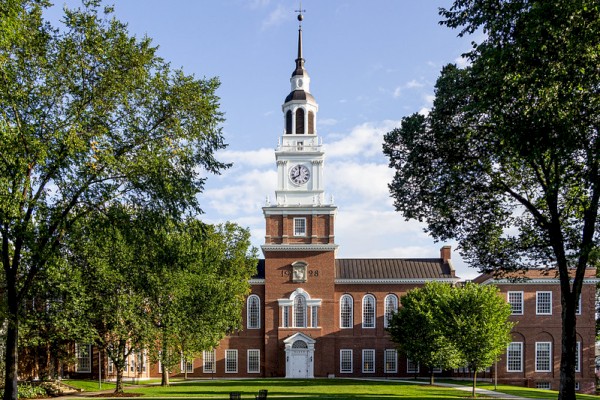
(311, 314)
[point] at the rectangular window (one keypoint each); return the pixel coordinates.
(391, 361)
(543, 303)
(578, 309)
(578, 357)
(253, 361)
(84, 357)
(187, 366)
(345, 361)
(111, 366)
(437, 370)
(299, 226)
(514, 357)
(515, 299)
(231, 361)
(543, 356)
(411, 366)
(314, 317)
(368, 362)
(208, 362)
(543, 385)
(285, 316)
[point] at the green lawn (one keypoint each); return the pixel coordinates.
(336, 389)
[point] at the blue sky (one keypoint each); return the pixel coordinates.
(370, 62)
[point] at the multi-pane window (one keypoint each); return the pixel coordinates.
(543, 301)
(231, 361)
(84, 357)
(578, 357)
(411, 366)
(514, 357)
(390, 360)
(515, 299)
(253, 308)
(543, 356)
(346, 361)
(300, 311)
(346, 311)
(543, 385)
(314, 316)
(391, 306)
(285, 316)
(299, 226)
(187, 366)
(253, 361)
(578, 309)
(208, 361)
(368, 361)
(368, 320)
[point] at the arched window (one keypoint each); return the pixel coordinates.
(346, 311)
(253, 308)
(311, 122)
(288, 122)
(299, 344)
(391, 306)
(368, 311)
(300, 120)
(300, 311)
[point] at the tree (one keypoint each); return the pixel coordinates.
(417, 330)
(476, 322)
(88, 116)
(507, 161)
(195, 280)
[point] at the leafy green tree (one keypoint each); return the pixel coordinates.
(196, 280)
(475, 319)
(417, 330)
(88, 116)
(507, 161)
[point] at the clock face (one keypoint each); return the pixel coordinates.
(299, 174)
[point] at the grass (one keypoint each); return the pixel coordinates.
(334, 389)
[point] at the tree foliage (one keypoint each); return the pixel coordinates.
(89, 115)
(443, 326)
(507, 161)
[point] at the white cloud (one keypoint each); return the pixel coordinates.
(365, 181)
(397, 92)
(242, 192)
(327, 122)
(414, 84)
(462, 62)
(256, 158)
(276, 17)
(258, 3)
(365, 140)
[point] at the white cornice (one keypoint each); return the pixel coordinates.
(256, 281)
(393, 281)
(309, 209)
(299, 247)
(535, 281)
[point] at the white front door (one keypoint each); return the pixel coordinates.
(298, 367)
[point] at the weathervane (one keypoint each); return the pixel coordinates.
(300, 11)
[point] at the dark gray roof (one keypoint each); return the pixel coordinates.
(392, 268)
(299, 95)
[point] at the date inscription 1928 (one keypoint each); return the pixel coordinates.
(311, 272)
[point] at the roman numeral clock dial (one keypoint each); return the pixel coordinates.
(299, 174)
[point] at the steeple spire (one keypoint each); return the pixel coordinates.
(300, 60)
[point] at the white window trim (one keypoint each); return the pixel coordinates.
(578, 310)
(89, 357)
(228, 352)
(248, 311)
(537, 344)
(213, 357)
(368, 351)
(522, 302)
(537, 300)
(298, 234)
(185, 364)
(385, 361)
(578, 356)
(520, 357)
(365, 297)
(410, 370)
(351, 369)
(250, 371)
(387, 313)
(351, 311)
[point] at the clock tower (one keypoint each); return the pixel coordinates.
(299, 247)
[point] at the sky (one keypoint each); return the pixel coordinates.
(370, 63)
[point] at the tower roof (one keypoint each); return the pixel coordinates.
(299, 71)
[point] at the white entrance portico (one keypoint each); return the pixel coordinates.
(299, 356)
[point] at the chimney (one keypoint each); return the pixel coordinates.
(446, 254)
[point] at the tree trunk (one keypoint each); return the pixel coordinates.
(474, 383)
(119, 384)
(431, 377)
(12, 337)
(568, 348)
(164, 377)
